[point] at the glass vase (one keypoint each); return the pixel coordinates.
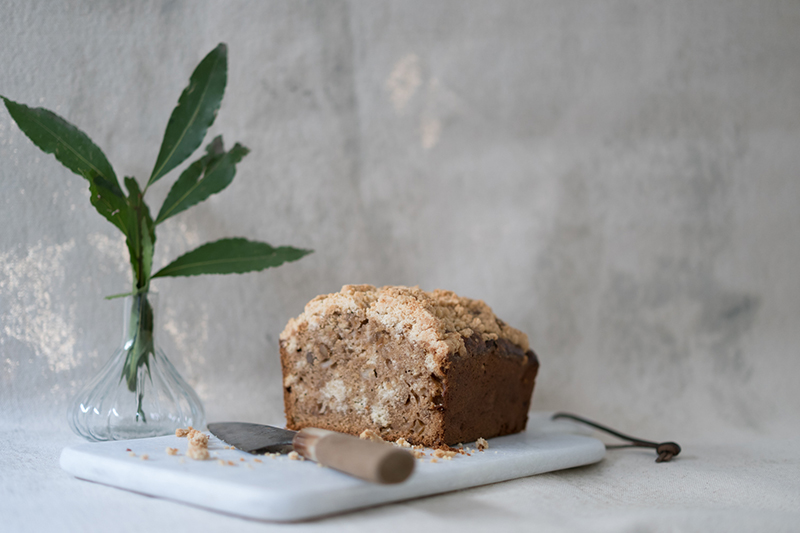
(138, 393)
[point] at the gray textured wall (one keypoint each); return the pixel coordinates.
(617, 179)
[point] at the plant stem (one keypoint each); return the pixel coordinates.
(140, 345)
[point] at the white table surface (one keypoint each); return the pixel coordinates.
(751, 484)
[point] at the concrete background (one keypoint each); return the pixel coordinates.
(617, 179)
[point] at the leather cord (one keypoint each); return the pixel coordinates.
(665, 450)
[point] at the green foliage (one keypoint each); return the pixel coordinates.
(140, 242)
(230, 256)
(197, 108)
(73, 149)
(217, 168)
(195, 113)
(140, 350)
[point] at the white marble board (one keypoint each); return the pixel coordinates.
(279, 489)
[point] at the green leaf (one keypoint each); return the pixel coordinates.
(230, 256)
(142, 236)
(73, 149)
(54, 135)
(109, 203)
(136, 201)
(218, 172)
(197, 108)
(148, 238)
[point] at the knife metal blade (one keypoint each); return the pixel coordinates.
(257, 439)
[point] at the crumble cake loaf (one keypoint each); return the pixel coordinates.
(431, 367)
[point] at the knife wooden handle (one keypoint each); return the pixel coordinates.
(372, 461)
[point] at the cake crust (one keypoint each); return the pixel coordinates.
(431, 367)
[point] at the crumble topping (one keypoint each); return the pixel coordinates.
(439, 320)
(172, 451)
(481, 444)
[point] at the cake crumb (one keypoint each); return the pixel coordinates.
(197, 438)
(241, 458)
(145, 457)
(132, 454)
(257, 460)
(220, 462)
(294, 456)
(369, 434)
(418, 454)
(127, 449)
(172, 451)
(231, 463)
(444, 454)
(198, 445)
(481, 444)
(197, 453)
(403, 443)
(180, 432)
(433, 460)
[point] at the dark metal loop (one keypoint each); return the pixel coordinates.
(665, 450)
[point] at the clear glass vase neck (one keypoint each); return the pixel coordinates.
(134, 314)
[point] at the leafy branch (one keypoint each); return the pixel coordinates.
(188, 124)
